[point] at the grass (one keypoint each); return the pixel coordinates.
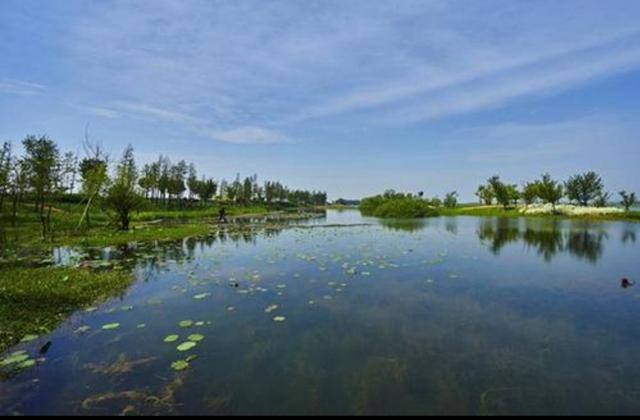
(26, 233)
(36, 300)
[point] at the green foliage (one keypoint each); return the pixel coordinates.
(530, 192)
(451, 200)
(485, 194)
(548, 190)
(396, 205)
(628, 200)
(35, 300)
(505, 194)
(5, 169)
(584, 188)
(122, 196)
(41, 159)
(602, 200)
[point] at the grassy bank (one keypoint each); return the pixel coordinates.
(33, 301)
(499, 211)
(26, 233)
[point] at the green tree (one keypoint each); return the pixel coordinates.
(628, 199)
(501, 192)
(451, 200)
(584, 188)
(42, 158)
(192, 180)
(5, 172)
(485, 194)
(602, 199)
(530, 192)
(513, 194)
(94, 177)
(549, 191)
(122, 196)
(18, 183)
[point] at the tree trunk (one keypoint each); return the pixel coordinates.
(124, 219)
(85, 213)
(16, 199)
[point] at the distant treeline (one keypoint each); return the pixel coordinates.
(585, 189)
(44, 175)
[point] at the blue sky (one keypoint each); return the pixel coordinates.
(351, 97)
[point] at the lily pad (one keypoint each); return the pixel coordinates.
(179, 365)
(111, 326)
(26, 364)
(29, 337)
(186, 346)
(186, 323)
(83, 329)
(17, 357)
(271, 308)
(279, 319)
(196, 337)
(171, 338)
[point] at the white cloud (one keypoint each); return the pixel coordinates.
(21, 88)
(552, 78)
(248, 135)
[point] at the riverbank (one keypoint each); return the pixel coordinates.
(499, 211)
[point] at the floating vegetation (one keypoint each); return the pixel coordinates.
(179, 365)
(186, 323)
(171, 338)
(140, 326)
(14, 358)
(279, 319)
(120, 366)
(196, 337)
(186, 346)
(83, 329)
(28, 338)
(271, 308)
(111, 326)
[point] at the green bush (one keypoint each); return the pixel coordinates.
(397, 205)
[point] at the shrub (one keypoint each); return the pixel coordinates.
(397, 205)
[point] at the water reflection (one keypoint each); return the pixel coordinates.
(629, 236)
(548, 238)
(405, 225)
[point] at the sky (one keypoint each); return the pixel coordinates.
(350, 97)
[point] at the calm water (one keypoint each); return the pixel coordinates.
(441, 316)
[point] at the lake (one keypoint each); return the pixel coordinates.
(351, 315)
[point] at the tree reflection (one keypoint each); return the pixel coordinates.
(547, 239)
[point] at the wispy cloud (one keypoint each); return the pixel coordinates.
(248, 135)
(491, 64)
(552, 78)
(19, 87)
